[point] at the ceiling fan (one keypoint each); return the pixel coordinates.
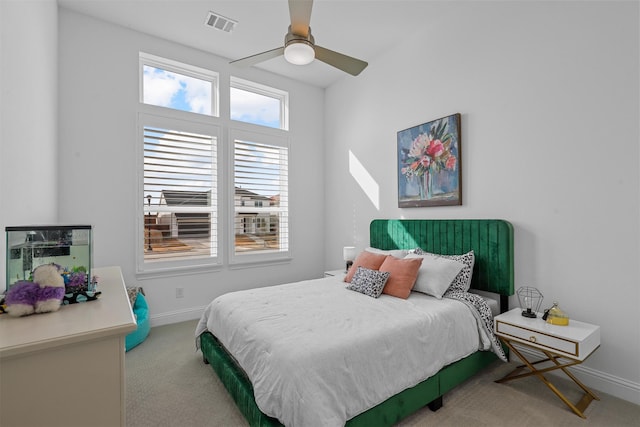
(299, 45)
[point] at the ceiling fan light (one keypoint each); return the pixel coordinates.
(299, 52)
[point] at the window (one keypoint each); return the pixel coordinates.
(258, 104)
(261, 207)
(170, 84)
(185, 178)
(179, 193)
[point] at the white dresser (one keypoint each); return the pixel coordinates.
(67, 368)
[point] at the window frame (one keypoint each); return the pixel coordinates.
(184, 69)
(264, 135)
(264, 90)
(225, 130)
(177, 266)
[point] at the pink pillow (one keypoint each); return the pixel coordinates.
(367, 260)
(402, 275)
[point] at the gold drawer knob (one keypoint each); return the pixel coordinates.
(532, 338)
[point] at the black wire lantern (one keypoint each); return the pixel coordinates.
(530, 300)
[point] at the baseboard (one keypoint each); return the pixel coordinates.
(597, 380)
(176, 316)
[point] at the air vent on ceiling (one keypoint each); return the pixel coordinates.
(220, 22)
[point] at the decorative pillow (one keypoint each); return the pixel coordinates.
(398, 253)
(365, 259)
(435, 274)
(403, 274)
(462, 282)
(368, 282)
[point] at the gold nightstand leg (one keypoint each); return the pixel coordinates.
(586, 389)
(580, 407)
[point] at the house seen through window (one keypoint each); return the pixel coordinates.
(180, 214)
(261, 199)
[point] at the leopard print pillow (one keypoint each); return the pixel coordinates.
(462, 281)
(368, 282)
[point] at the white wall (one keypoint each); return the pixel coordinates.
(98, 111)
(549, 97)
(28, 114)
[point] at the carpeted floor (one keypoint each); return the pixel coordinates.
(168, 385)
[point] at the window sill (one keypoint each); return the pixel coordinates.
(186, 270)
(238, 265)
(177, 271)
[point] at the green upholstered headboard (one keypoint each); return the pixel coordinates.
(490, 239)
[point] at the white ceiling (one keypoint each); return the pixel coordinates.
(359, 28)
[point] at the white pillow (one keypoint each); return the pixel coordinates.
(398, 253)
(436, 274)
(462, 282)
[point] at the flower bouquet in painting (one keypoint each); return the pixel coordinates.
(429, 164)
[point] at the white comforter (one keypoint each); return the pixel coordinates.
(319, 354)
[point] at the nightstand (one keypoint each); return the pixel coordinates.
(330, 273)
(564, 346)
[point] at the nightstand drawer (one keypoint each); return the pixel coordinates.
(538, 339)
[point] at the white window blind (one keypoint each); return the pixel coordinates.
(180, 195)
(261, 202)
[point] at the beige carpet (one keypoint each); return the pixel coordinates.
(168, 385)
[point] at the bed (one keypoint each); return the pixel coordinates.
(492, 243)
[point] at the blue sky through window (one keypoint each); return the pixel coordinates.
(251, 107)
(173, 90)
(183, 92)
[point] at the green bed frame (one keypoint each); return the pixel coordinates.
(492, 242)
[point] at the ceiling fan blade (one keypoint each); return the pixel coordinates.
(259, 57)
(300, 13)
(342, 62)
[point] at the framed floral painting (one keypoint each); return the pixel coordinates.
(429, 164)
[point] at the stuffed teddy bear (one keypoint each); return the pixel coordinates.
(43, 295)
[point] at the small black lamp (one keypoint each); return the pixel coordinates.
(348, 254)
(530, 300)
